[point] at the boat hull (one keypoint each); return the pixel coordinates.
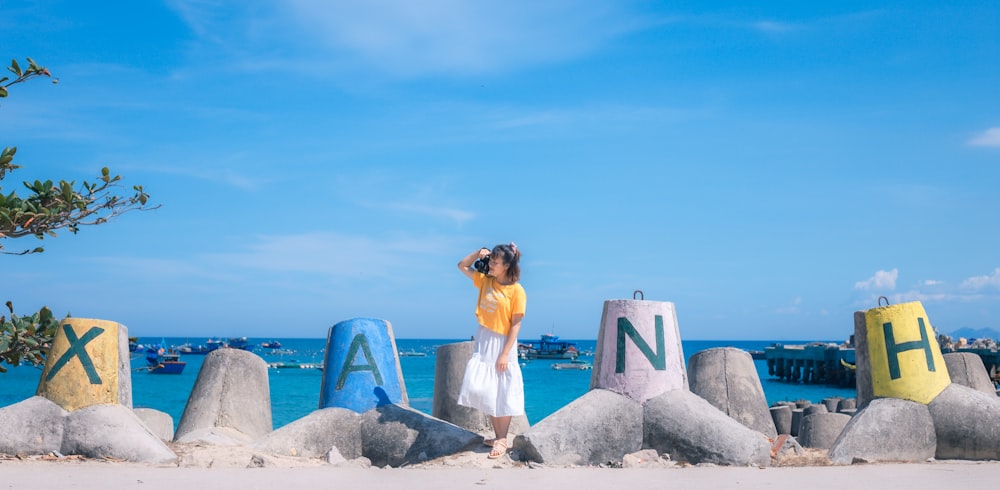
(168, 367)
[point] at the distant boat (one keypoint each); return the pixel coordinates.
(239, 343)
(575, 364)
(274, 344)
(412, 353)
(293, 364)
(194, 349)
(160, 360)
(548, 347)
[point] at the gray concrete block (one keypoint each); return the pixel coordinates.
(312, 436)
(782, 417)
(449, 370)
(821, 429)
(847, 404)
(796, 421)
(231, 391)
(832, 403)
(33, 426)
(159, 423)
(886, 429)
(113, 431)
(813, 409)
(690, 429)
(967, 369)
(598, 427)
(727, 378)
(392, 435)
(967, 423)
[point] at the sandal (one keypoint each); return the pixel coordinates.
(499, 449)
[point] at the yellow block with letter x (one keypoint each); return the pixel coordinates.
(82, 366)
(906, 361)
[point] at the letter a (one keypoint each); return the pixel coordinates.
(350, 367)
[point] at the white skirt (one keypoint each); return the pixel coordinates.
(483, 388)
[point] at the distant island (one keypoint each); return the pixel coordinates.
(975, 333)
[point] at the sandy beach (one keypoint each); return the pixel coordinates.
(104, 475)
(473, 470)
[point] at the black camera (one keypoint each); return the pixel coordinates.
(482, 264)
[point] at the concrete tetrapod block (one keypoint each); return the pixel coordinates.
(159, 423)
(782, 417)
(392, 435)
(639, 352)
(812, 409)
(967, 369)
(887, 429)
(312, 436)
(113, 431)
(727, 378)
(449, 370)
(690, 429)
(847, 404)
(598, 427)
(796, 421)
(967, 423)
(832, 403)
(33, 426)
(820, 430)
(88, 364)
(232, 392)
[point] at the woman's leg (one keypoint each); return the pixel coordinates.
(500, 427)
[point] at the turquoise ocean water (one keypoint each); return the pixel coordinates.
(295, 392)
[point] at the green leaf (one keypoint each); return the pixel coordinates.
(15, 67)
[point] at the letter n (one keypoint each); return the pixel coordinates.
(658, 359)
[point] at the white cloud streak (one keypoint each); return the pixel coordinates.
(881, 280)
(991, 280)
(990, 137)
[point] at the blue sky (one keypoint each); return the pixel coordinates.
(768, 168)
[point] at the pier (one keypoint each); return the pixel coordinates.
(813, 363)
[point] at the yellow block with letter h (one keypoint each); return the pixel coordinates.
(906, 361)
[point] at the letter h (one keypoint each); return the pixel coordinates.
(893, 349)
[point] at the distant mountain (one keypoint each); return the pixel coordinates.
(975, 333)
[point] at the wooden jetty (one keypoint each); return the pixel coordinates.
(813, 363)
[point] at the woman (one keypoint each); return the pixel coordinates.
(492, 382)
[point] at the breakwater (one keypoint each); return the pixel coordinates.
(812, 363)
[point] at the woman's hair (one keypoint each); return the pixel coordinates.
(511, 256)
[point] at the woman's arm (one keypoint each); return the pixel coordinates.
(515, 327)
(465, 265)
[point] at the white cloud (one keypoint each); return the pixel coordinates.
(454, 36)
(774, 27)
(932, 282)
(881, 280)
(990, 137)
(791, 308)
(982, 282)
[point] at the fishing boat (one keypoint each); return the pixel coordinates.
(574, 364)
(160, 360)
(293, 364)
(274, 344)
(194, 349)
(240, 343)
(548, 347)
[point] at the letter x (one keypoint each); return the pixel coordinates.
(77, 349)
